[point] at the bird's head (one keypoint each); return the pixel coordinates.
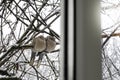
(51, 38)
(41, 37)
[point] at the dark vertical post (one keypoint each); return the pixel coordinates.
(64, 41)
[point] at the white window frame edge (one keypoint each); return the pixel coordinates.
(71, 39)
(70, 46)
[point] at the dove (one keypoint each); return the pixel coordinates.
(50, 43)
(50, 46)
(39, 45)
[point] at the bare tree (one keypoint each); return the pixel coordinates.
(20, 22)
(110, 40)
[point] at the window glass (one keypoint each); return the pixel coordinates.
(30, 39)
(110, 24)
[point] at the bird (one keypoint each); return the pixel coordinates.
(50, 44)
(39, 45)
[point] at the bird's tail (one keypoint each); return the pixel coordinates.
(40, 54)
(32, 58)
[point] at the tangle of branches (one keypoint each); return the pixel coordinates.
(20, 22)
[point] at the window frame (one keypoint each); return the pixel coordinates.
(77, 16)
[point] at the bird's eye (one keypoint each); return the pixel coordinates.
(52, 38)
(41, 37)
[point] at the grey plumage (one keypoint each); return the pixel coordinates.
(50, 43)
(50, 46)
(39, 45)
